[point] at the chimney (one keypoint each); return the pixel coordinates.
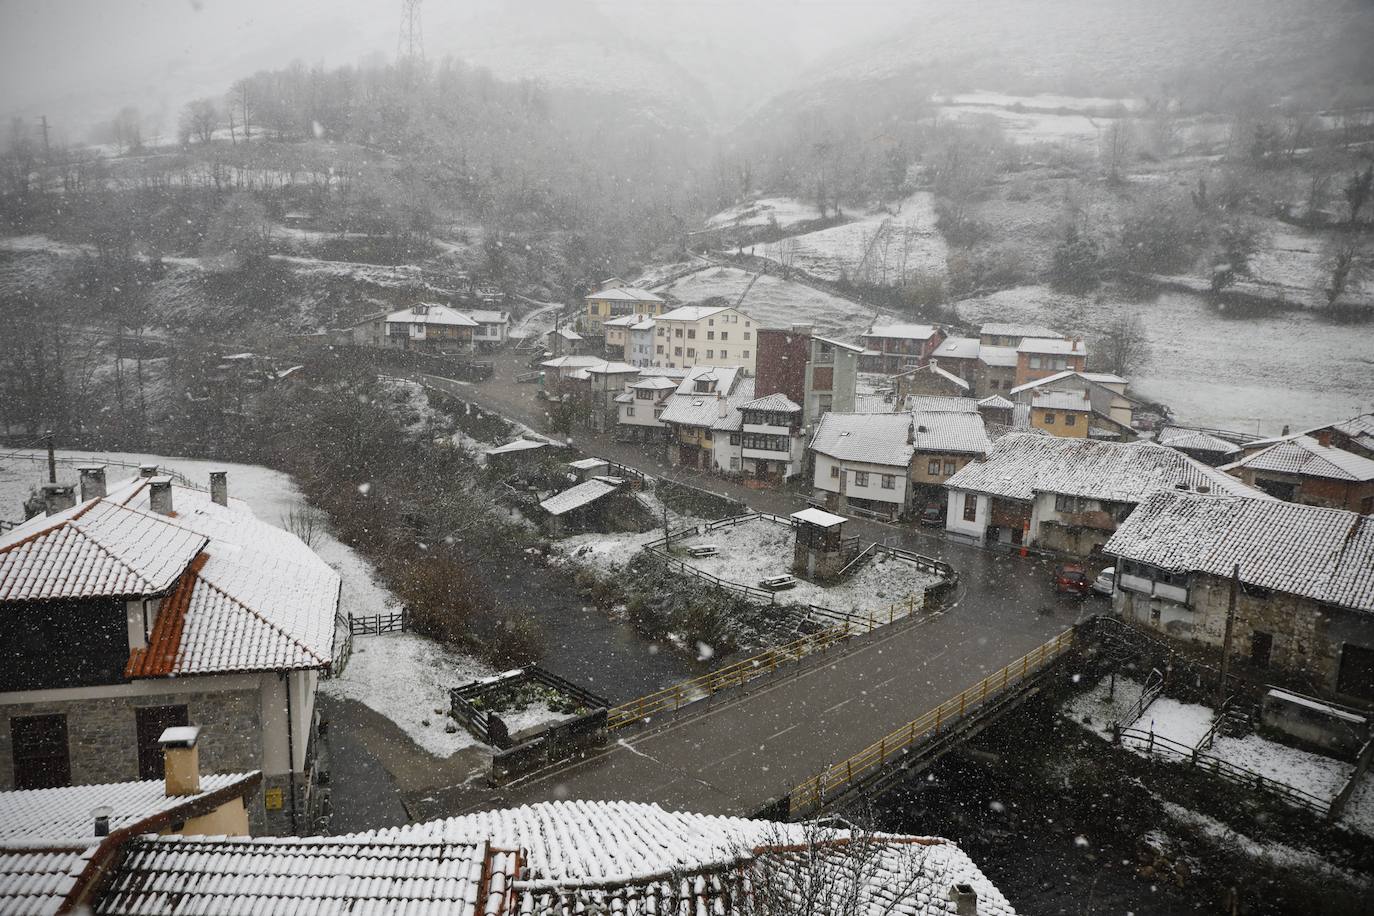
(219, 487)
(911, 433)
(147, 470)
(160, 495)
(92, 481)
(723, 409)
(1285, 430)
(101, 816)
(181, 759)
(58, 496)
(965, 899)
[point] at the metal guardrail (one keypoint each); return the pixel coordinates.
(838, 778)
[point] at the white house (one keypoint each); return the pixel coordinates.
(863, 462)
(640, 408)
(429, 326)
(493, 328)
(157, 606)
(701, 335)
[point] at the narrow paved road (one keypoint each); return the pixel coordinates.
(746, 752)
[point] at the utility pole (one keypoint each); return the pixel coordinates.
(1226, 638)
(43, 126)
(52, 458)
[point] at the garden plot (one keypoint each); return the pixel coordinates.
(757, 548)
(773, 301)
(883, 248)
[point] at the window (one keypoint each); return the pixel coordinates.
(724, 335)
(734, 464)
(933, 469)
(630, 410)
(1070, 419)
(970, 507)
(734, 438)
(677, 351)
(691, 333)
(1049, 419)
(1261, 647)
(746, 333)
(39, 749)
(860, 478)
(724, 353)
(662, 332)
(1035, 362)
(150, 722)
(834, 470)
(691, 351)
(889, 482)
(644, 394)
(744, 354)
(710, 335)
(677, 332)
(711, 322)
(950, 468)
(710, 354)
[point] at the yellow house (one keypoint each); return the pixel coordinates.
(1062, 413)
(620, 300)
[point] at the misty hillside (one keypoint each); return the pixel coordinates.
(1202, 51)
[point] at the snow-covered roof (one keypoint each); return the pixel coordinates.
(1360, 429)
(874, 403)
(872, 438)
(568, 334)
(487, 316)
(997, 356)
(1020, 465)
(1007, 329)
(951, 432)
(626, 294)
(96, 549)
(431, 313)
(572, 362)
(995, 402)
(692, 312)
(35, 878)
(958, 348)
(653, 383)
(574, 856)
(1323, 554)
(818, 517)
(706, 409)
(902, 331)
(626, 321)
(352, 875)
(613, 368)
(586, 464)
(646, 324)
(1306, 457)
(934, 369)
(1047, 380)
(838, 343)
(776, 401)
(576, 497)
(1103, 378)
(1061, 400)
(1196, 440)
(517, 445)
(936, 403)
(1052, 347)
(725, 378)
(64, 813)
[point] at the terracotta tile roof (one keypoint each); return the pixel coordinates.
(1323, 554)
(35, 878)
(64, 814)
(96, 549)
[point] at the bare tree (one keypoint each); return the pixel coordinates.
(1115, 147)
(198, 121)
(305, 522)
(1357, 191)
(1122, 347)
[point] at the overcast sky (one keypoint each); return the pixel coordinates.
(78, 60)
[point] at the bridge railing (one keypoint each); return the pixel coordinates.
(839, 777)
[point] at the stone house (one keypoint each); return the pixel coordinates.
(1302, 470)
(815, 372)
(153, 606)
(1068, 495)
(931, 380)
(1305, 601)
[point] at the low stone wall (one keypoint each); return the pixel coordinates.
(487, 726)
(562, 741)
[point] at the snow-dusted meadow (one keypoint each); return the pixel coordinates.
(786, 212)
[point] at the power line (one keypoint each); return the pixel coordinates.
(410, 43)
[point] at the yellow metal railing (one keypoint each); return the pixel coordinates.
(839, 776)
(739, 673)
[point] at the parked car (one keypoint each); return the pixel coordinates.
(933, 515)
(1071, 579)
(1105, 581)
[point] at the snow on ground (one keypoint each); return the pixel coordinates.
(1027, 127)
(1041, 102)
(756, 549)
(881, 247)
(785, 211)
(1186, 724)
(1212, 370)
(773, 301)
(1280, 854)
(406, 678)
(1359, 811)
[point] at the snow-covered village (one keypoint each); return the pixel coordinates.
(759, 458)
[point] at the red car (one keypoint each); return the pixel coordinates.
(1072, 579)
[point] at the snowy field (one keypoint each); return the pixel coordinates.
(773, 301)
(785, 211)
(884, 248)
(1187, 723)
(1026, 127)
(1249, 375)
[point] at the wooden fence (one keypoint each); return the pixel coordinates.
(839, 778)
(1236, 775)
(377, 624)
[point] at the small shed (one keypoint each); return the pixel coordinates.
(578, 507)
(587, 468)
(818, 552)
